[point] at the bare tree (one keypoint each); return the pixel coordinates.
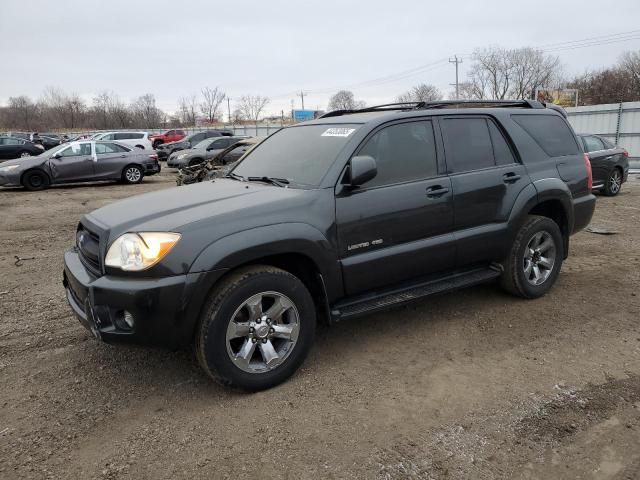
(630, 61)
(421, 93)
(22, 112)
(498, 73)
(188, 110)
(345, 100)
(211, 103)
(145, 111)
(251, 107)
(237, 117)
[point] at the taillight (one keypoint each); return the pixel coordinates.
(625, 153)
(153, 156)
(587, 165)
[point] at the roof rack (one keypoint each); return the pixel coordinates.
(407, 106)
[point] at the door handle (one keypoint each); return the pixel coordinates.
(436, 191)
(609, 157)
(122, 156)
(511, 177)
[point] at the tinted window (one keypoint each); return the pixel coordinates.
(467, 144)
(301, 154)
(592, 144)
(127, 136)
(607, 143)
(82, 149)
(219, 144)
(197, 137)
(403, 152)
(13, 141)
(102, 148)
(550, 132)
(501, 150)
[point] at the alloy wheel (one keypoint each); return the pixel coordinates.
(615, 181)
(539, 258)
(133, 174)
(263, 332)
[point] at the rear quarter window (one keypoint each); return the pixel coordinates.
(550, 132)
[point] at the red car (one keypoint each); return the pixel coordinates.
(167, 137)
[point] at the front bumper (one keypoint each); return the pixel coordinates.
(165, 310)
(175, 162)
(10, 179)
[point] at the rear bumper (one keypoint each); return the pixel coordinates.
(165, 310)
(152, 168)
(583, 208)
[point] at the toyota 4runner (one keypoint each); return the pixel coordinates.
(330, 219)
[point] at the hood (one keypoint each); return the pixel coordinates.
(25, 162)
(229, 205)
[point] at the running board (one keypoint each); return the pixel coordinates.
(369, 303)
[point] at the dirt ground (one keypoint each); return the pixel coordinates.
(474, 384)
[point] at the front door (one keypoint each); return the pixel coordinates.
(486, 179)
(71, 164)
(398, 226)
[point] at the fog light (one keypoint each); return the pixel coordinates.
(128, 319)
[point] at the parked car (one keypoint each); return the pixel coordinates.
(164, 151)
(44, 140)
(205, 150)
(609, 163)
(133, 139)
(14, 147)
(82, 161)
(330, 219)
(166, 137)
(216, 166)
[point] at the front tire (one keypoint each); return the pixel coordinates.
(614, 183)
(35, 180)
(132, 174)
(535, 259)
(256, 328)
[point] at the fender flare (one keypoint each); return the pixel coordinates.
(250, 245)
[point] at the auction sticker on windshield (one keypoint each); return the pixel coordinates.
(338, 132)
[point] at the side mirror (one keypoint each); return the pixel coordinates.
(57, 156)
(362, 169)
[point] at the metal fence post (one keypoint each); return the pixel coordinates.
(619, 123)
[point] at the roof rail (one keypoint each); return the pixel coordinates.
(406, 106)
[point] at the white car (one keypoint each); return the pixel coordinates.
(133, 139)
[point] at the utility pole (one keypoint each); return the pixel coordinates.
(302, 97)
(229, 109)
(457, 61)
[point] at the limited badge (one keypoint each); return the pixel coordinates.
(338, 132)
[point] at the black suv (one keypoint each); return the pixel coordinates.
(329, 219)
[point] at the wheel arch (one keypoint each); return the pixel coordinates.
(35, 169)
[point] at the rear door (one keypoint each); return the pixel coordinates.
(486, 178)
(601, 158)
(10, 147)
(74, 163)
(111, 159)
(398, 226)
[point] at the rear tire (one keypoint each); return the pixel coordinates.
(132, 174)
(35, 180)
(613, 184)
(535, 259)
(256, 328)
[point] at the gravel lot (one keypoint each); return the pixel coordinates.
(474, 384)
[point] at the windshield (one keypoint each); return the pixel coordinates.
(301, 154)
(204, 143)
(57, 148)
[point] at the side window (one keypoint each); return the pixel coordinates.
(501, 150)
(607, 143)
(198, 137)
(467, 144)
(102, 148)
(593, 144)
(13, 141)
(550, 132)
(171, 132)
(219, 144)
(78, 150)
(177, 132)
(110, 136)
(403, 152)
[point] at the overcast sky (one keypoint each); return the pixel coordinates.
(276, 48)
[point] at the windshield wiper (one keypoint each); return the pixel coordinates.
(279, 182)
(235, 176)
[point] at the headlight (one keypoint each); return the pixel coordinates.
(181, 155)
(139, 251)
(8, 168)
